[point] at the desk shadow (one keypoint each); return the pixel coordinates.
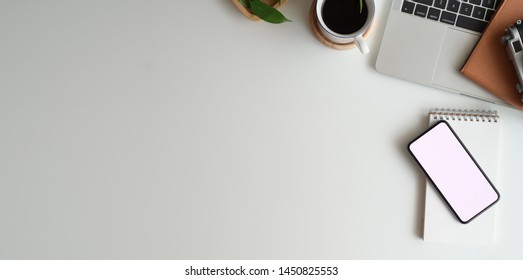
(420, 187)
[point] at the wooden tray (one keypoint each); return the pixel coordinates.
(274, 3)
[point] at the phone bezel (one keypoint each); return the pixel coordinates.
(443, 122)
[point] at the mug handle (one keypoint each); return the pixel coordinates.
(362, 45)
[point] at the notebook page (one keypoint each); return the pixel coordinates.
(481, 137)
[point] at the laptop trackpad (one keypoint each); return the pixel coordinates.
(455, 50)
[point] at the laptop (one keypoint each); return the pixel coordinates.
(428, 42)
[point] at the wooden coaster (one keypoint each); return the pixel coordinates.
(316, 30)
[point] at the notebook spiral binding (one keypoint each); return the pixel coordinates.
(465, 115)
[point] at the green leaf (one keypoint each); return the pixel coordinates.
(245, 3)
(266, 12)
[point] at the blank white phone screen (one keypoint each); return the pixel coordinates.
(453, 172)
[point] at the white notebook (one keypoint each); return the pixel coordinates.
(479, 132)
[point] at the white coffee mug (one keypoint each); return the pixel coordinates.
(343, 38)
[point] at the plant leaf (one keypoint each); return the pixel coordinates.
(245, 3)
(266, 12)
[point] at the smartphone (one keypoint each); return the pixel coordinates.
(453, 172)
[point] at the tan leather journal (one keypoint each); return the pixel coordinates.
(488, 64)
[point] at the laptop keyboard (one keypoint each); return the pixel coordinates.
(469, 14)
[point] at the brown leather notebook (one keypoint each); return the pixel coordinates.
(488, 64)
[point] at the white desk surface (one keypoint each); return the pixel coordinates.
(182, 130)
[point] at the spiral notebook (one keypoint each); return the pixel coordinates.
(479, 132)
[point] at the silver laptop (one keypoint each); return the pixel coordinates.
(428, 41)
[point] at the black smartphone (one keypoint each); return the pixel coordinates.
(453, 171)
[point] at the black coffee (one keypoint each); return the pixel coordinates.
(344, 16)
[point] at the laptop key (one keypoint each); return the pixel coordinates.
(466, 9)
(475, 2)
(421, 10)
(434, 14)
(448, 18)
(479, 12)
(471, 24)
(441, 4)
(489, 3)
(489, 15)
(453, 6)
(408, 7)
